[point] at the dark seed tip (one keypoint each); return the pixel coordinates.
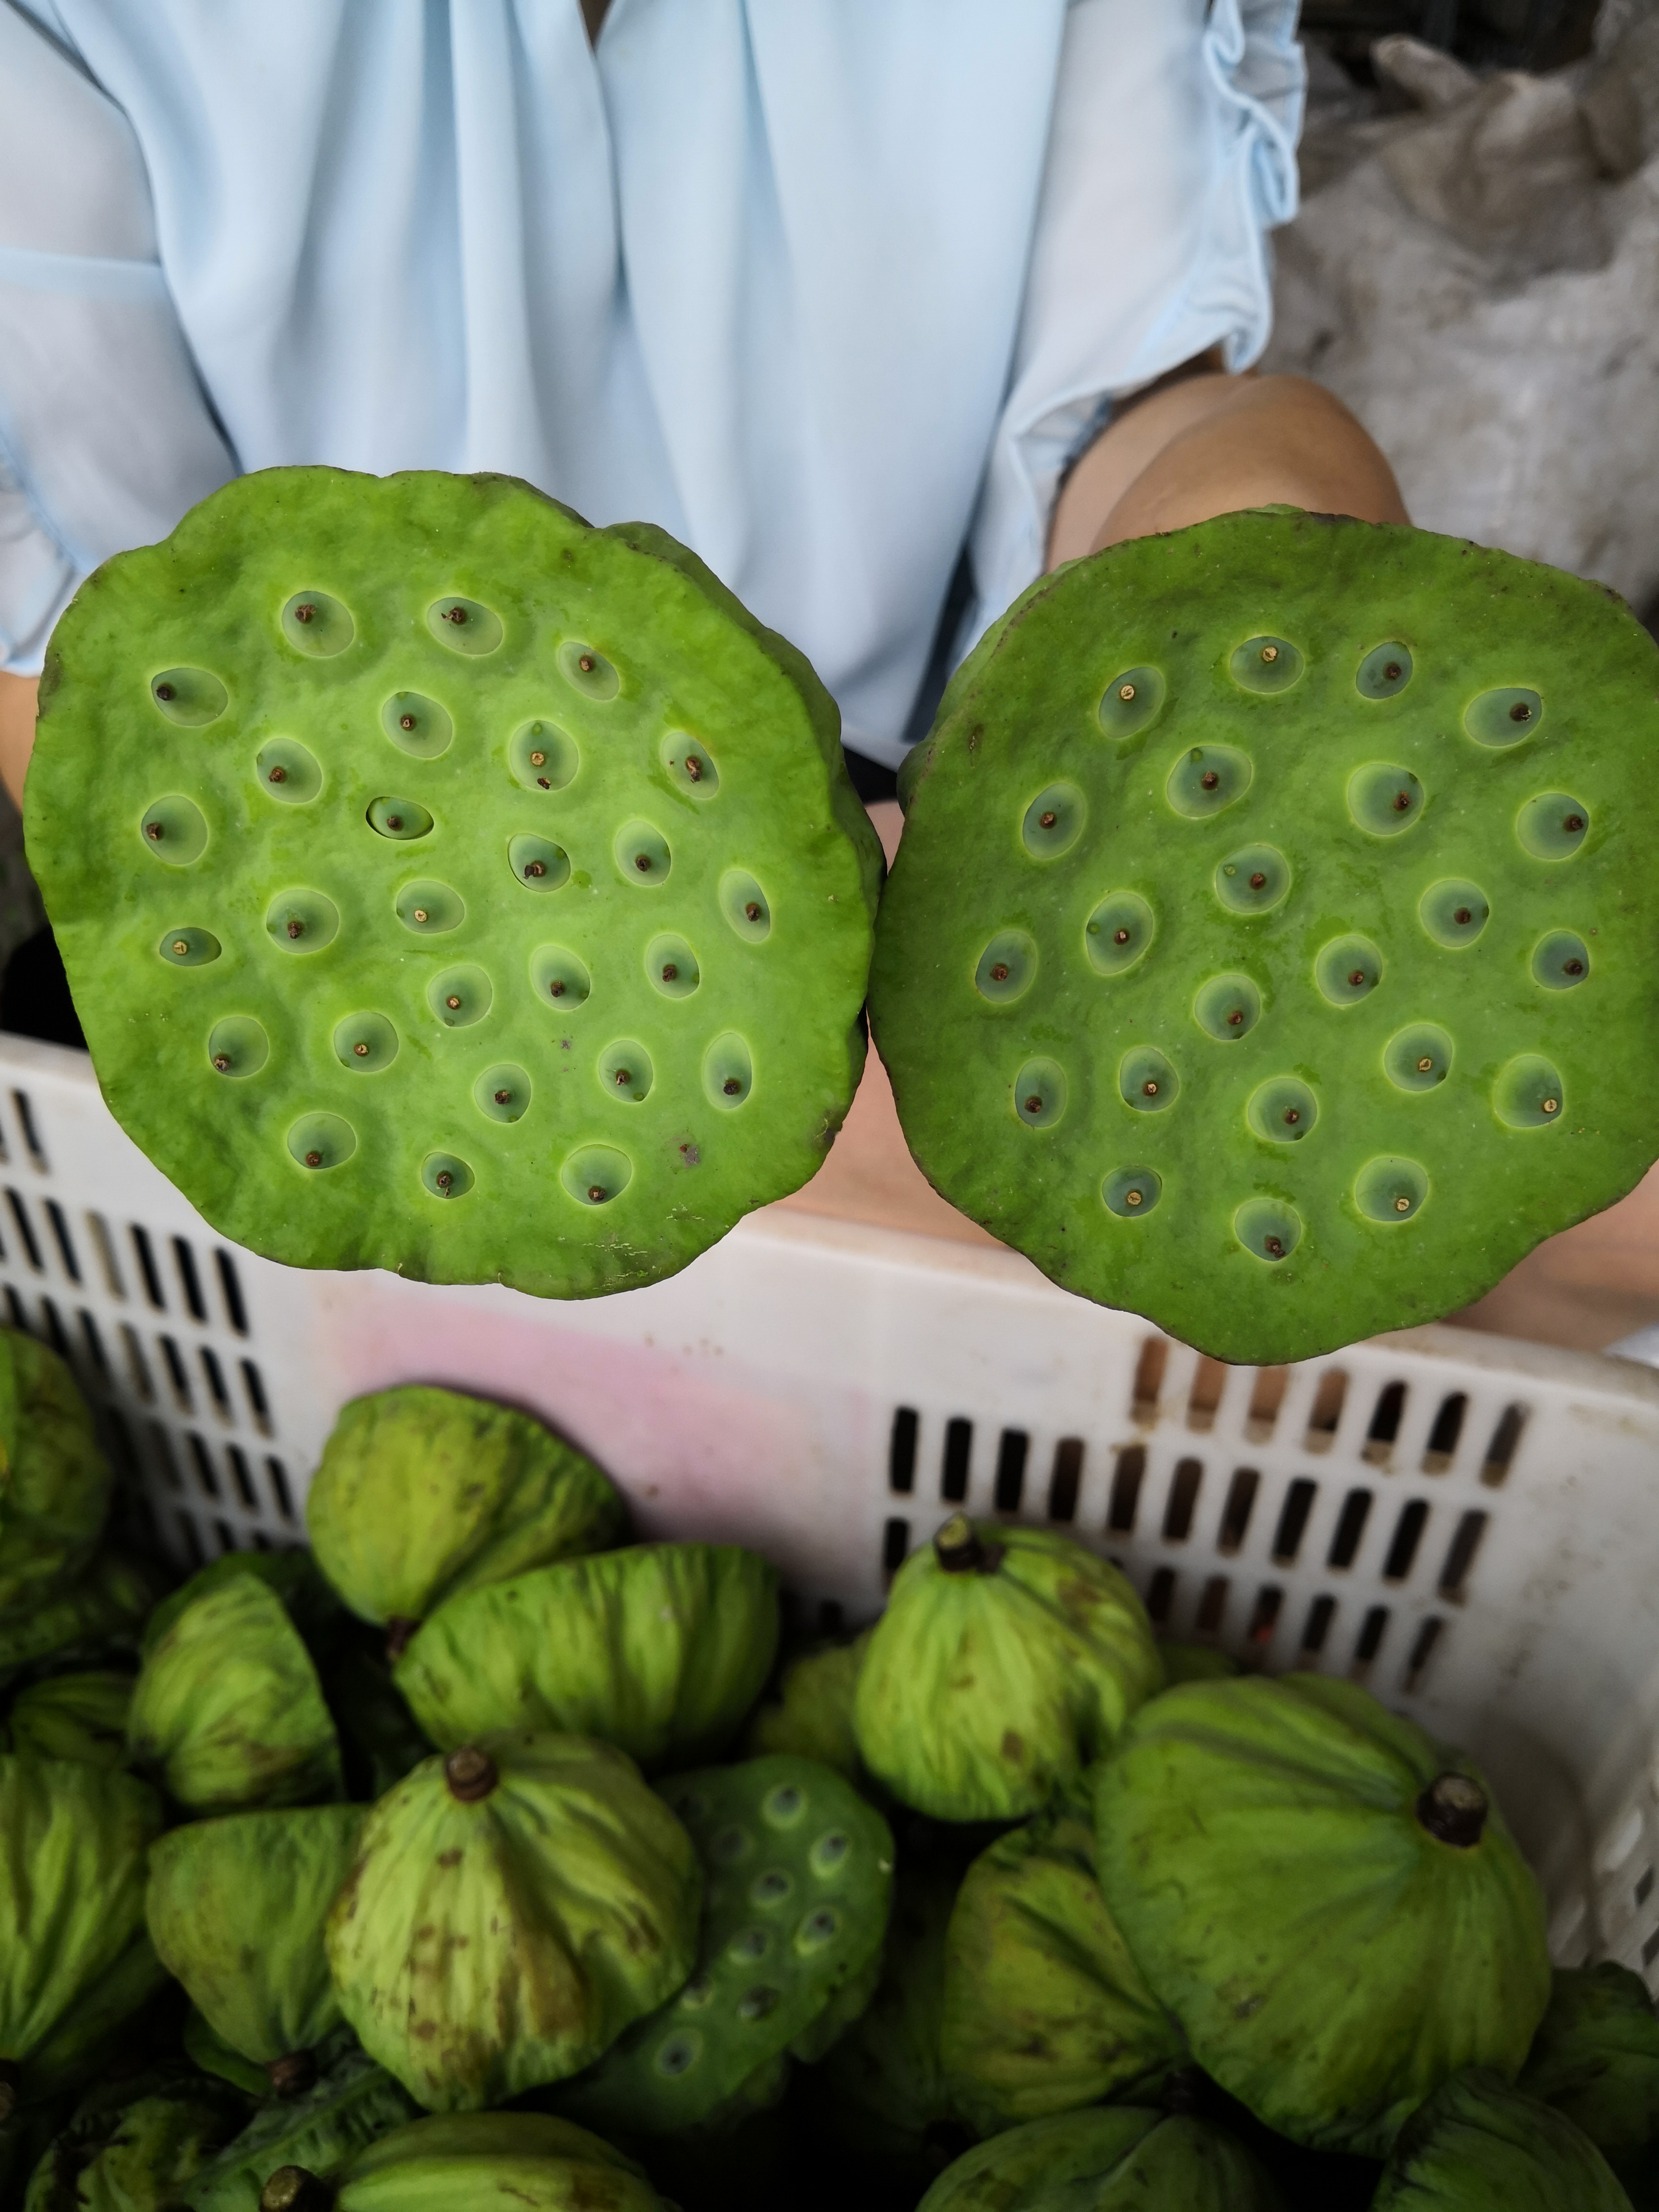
(398, 1630)
(1453, 1809)
(292, 2075)
(958, 1549)
(294, 2189)
(470, 1774)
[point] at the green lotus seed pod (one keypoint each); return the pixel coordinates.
(1478, 2145)
(54, 1481)
(133, 2146)
(75, 1960)
(447, 887)
(1595, 2058)
(1235, 1818)
(511, 1909)
(353, 2103)
(1008, 1659)
(1304, 984)
(78, 1717)
(798, 1882)
(1112, 2159)
(470, 2161)
(213, 2054)
(811, 1714)
(1193, 1663)
(228, 1710)
(289, 1575)
(100, 1616)
(235, 1909)
(423, 1493)
(1044, 2009)
(659, 1650)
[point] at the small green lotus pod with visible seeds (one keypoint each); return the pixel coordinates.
(423, 1493)
(1478, 2145)
(512, 1908)
(811, 1714)
(236, 1908)
(1044, 2008)
(101, 1615)
(1193, 1663)
(54, 1481)
(472, 2162)
(799, 1875)
(1252, 1838)
(353, 2103)
(659, 1650)
(227, 1710)
(1596, 2057)
(134, 2146)
(1306, 982)
(1007, 1660)
(78, 1717)
(75, 1962)
(448, 887)
(1114, 2159)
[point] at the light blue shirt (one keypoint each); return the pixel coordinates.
(827, 287)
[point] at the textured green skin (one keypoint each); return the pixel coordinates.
(659, 1650)
(482, 1949)
(981, 1695)
(228, 1710)
(1329, 1960)
(290, 1576)
(812, 1712)
(1114, 2160)
(135, 2146)
(54, 1481)
(72, 1845)
(1044, 2008)
(750, 1943)
(1478, 2145)
(210, 597)
(423, 1493)
(1595, 2058)
(353, 2104)
(459, 2161)
(106, 1609)
(235, 1909)
(1022, 714)
(79, 1717)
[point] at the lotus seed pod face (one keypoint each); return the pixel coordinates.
(1267, 951)
(235, 1909)
(798, 1876)
(463, 2160)
(447, 887)
(1044, 2008)
(1478, 2145)
(54, 1481)
(1007, 1659)
(1596, 2059)
(353, 2103)
(421, 1493)
(1324, 1819)
(78, 1836)
(512, 1908)
(659, 1650)
(1112, 2160)
(78, 1717)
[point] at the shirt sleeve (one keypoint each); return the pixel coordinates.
(106, 437)
(1172, 155)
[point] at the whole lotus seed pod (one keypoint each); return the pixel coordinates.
(75, 1962)
(353, 2103)
(134, 2146)
(54, 1480)
(421, 1493)
(1305, 982)
(1595, 2058)
(799, 1882)
(98, 1617)
(660, 1649)
(1478, 2145)
(512, 1908)
(290, 1576)
(1253, 1836)
(235, 1909)
(1008, 1659)
(448, 887)
(1112, 2160)
(470, 2161)
(1044, 2009)
(77, 1716)
(228, 1712)
(811, 1713)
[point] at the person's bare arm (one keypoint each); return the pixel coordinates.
(17, 701)
(1210, 443)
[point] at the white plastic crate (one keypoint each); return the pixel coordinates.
(1467, 1524)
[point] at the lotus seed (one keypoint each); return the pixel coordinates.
(555, 989)
(1119, 937)
(1402, 800)
(1132, 1198)
(1292, 1115)
(694, 768)
(1573, 824)
(278, 775)
(751, 912)
(1461, 916)
(295, 928)
(1520, 711)
(1575, 968)
(164, 690)
(732, 1086)
(1235, 1018)
(443, 1178)
(538, 760)
(304, 614)
(153, 829)
(1275, 1248)
(181, 945)
(361, 1051)
(624, 1078)
(1125, 692)
(1270, 653)
(504, 1097)
(1402, 1205)
(670, 971)
(221, 1061)
(998, 971)
(1392, 671)
(1258, 881)
(1356, 977)
(534, 868)
(585, 662)
(451, 1002)
(314, 1159)
(405, 721)
(1209, 779)
(1552, 1105)
(1425, 1065)
(419, 914)
(457, 614)
(596, 1192)
(1150, 1088)
(1048, 819)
